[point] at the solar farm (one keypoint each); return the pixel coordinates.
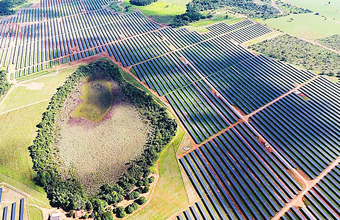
(265, 135)
(11, 209)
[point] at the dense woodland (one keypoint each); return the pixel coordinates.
(301, 53)
(6, 6)
(142, 2)
(331, 41)
(263, 9)
(4, 84)
(69, 194)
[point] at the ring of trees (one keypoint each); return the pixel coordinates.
(69, 194)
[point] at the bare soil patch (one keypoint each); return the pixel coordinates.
(33, 86)
(98, 151)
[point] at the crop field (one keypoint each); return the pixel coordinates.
(84, 143)
(307, 26)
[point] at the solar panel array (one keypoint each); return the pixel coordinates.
(11, 212)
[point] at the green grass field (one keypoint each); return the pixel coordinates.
(218, 16)
(97, 99)
(162, 11)
(169, 196)
(35, 213)
(308, 26)
(19, 114)
(35, 90)
(331, 10)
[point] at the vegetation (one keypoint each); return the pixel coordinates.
(301, 53)
(35, 213)
(69, 193)
(290, 9)
(4, 84)
(169, 195)
(263, 9)
(97, 99)
(331, 41)
(328, 8)
(162, 11)
(115, 7)
(142, 2)
(308, 26)
(7, 6)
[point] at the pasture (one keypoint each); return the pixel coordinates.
(308, 26)
(23, 109)
(162, 11)
(331, 10)
(98, 146)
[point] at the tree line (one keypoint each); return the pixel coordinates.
(69, 193)
(265, 10)
(4, 84)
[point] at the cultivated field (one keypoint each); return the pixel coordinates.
(99, 149)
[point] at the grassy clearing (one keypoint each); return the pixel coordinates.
(35, 90)
(17, 129)
(162, 11)
(169, 196)
(97, 99)
(308, 26)
(98, 152)
(331, 10)
(35, 213)
(218, 16)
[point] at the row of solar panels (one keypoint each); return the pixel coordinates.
(9, 213)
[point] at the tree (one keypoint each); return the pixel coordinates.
(107, 216)
(120, 212)
(134, 195)
(141, 200)
(151, 179)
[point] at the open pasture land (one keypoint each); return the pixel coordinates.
(308, 26)
(328, 8)
(162, 11)
(98, 148)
